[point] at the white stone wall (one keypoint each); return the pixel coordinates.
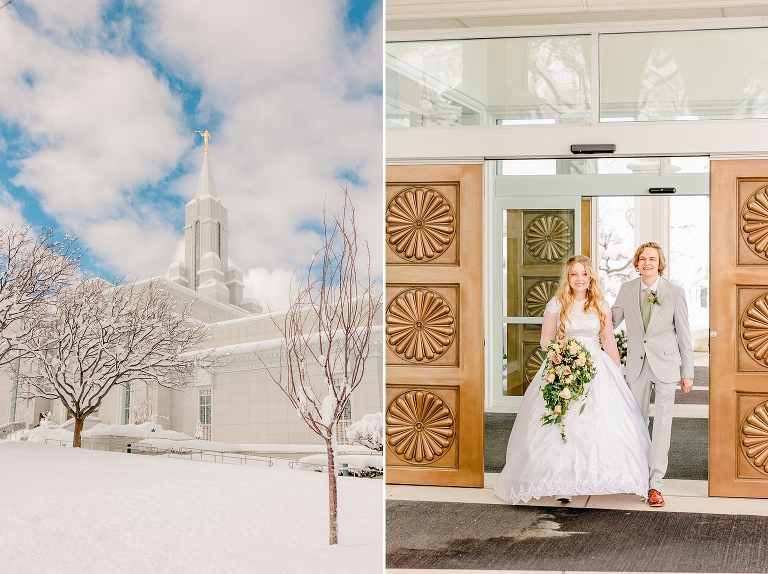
(247, 406)
(5, 396)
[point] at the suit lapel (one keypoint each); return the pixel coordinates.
(655, 309)
(634, 293)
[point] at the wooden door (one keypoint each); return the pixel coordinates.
(434, 325)
(738, 408)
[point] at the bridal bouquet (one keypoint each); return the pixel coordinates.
(621, 343)
(567, 370)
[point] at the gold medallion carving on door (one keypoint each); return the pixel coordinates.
(434, 317)
(538, 242)
(738, 431)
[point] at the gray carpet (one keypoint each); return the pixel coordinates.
(697, 397)
(688, 452)
(486, 536)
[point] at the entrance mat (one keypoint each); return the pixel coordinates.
(695, 397)
(700, 377)
(502, 537)
(688, 451)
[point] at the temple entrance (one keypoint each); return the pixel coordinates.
(535, 235)
(538, 213)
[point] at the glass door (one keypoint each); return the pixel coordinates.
(536, 237)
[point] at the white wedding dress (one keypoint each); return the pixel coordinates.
(608, 443)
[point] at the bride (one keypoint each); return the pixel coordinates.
(607, 444)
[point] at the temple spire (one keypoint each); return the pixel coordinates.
(205, 183)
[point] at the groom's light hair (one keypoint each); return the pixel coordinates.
(657, 247)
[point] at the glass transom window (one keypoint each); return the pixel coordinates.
(495, 81)
(684, 75)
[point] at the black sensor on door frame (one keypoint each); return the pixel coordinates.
(579, 149)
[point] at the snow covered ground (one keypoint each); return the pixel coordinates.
(81, 511)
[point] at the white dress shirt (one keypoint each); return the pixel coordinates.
(654, 288)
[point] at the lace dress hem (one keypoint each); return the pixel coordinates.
(587, 488)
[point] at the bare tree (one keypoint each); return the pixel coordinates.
(329, 323)
(145, 411)
(95, 336)
(620, 265)
(615, 242)
(33, 268)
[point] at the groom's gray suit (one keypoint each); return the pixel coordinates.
(657, 357)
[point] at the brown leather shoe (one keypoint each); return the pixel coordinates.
(655, 498)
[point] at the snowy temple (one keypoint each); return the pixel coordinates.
(237, 402)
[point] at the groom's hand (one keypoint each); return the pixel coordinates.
(686, 385)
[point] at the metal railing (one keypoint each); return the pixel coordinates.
(342, 469)
(8, 429)
(200, 454)
(205, 455)
(61, 442)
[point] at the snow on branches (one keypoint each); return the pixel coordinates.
(94, 335)
(328, 329)
(33, 268)
(144, 411)
(368, 431)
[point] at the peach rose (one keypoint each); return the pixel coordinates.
(565, 393)
(551, 378)
(581, 362)
(566, 370)
(558, 410)
(557, 359)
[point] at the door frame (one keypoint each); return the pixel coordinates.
(509, 192)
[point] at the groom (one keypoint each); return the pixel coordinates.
(659, 351)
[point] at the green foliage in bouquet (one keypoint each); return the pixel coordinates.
(621, 342)
(567, 370)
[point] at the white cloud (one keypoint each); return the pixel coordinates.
(98, 127)
(282, 78)
(126, 247)
(10, 209)
(179, 254)
(271, 288)
(287, 98)
(55, 15)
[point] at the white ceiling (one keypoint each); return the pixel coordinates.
(442, 14)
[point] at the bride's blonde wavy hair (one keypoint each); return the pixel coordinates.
(564, 293)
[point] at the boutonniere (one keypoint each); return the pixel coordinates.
(653, 298)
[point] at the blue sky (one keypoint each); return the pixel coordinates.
(101, 99)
